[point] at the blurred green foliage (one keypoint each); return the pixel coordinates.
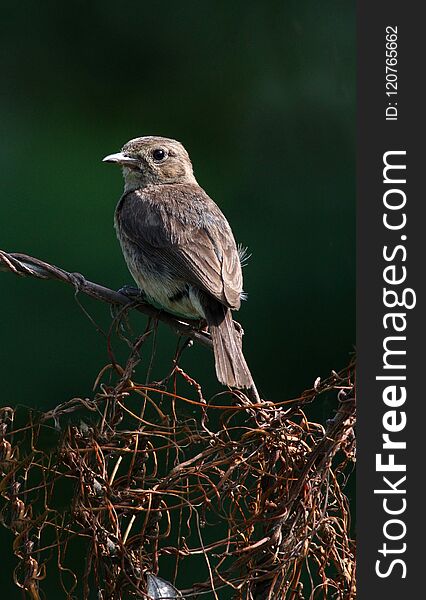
(262, 94)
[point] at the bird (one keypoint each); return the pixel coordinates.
(179, 247)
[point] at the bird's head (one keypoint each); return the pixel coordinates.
(153, 160)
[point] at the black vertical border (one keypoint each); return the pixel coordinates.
(375, 136)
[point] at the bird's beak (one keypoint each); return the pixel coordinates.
(121, 159)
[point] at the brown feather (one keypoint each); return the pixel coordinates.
(189, 232)
(231, 366)
(179, 246)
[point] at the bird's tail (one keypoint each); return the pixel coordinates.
(231, 366)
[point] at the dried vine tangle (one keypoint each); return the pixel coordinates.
(245, 496)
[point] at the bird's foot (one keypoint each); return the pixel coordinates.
(132, 292)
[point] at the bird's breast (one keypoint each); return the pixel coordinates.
(161, 286)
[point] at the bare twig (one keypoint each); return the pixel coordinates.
(28, 266)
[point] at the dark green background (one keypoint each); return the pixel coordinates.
(262, 94)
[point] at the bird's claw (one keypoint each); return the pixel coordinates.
(132, 292)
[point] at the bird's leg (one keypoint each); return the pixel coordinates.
(132, 292)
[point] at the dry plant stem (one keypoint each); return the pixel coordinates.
(264, 506)
(318, 462)
(258, 494)
(28, 266)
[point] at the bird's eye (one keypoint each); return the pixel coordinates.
(159, 154)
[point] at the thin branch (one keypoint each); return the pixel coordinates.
(28, 266)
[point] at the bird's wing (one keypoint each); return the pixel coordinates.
(189, 231)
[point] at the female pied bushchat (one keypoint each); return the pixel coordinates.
(179, 247)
